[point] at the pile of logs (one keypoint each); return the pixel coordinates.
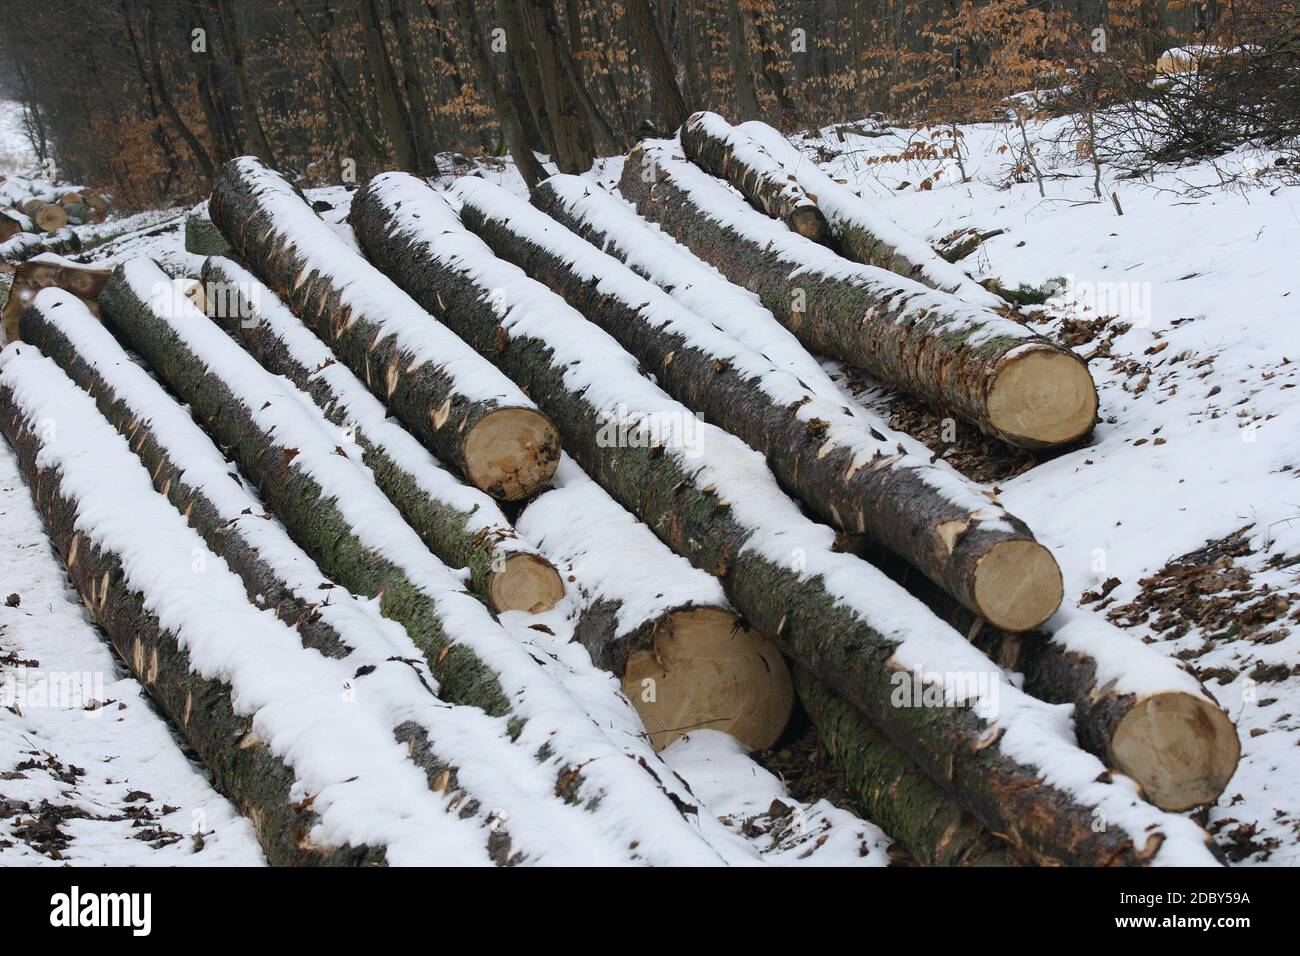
(540, 395)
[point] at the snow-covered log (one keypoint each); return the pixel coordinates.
(322, 772)
(463, 526)
(986, 369)
(202, 237)
(714, 145)
(24, 245)
(13, 222)
(862, 231)
(43, 271)
(311, 475)
(461, 408)
(665, 629)
(853, 478)
(1010, 758)
(929, 822)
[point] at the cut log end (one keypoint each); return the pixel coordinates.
(511, 452)
(1018, 585)
(528, 582)
(1182, 749)
(809, 222)
(51, 217)
(706, 671)
(1041, 398)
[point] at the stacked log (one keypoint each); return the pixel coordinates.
(855, 479)
(712, 500)
(331, 507)
(50, 271)
(317, 773)
(684, 658)
(860, 231)
(465, 412)
(461, 525)
(986, 369)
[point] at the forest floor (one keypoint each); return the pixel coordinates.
(1178, 518)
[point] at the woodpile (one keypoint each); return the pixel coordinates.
(49, 271)
(497, 408)
(36, 206)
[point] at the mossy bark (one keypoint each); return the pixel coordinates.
(887, 499)
(925, 819)
(951, 364)
(202, 238)
(424, 396)
(243, 767)
(307, 510)
(954, 745)
(450, 533)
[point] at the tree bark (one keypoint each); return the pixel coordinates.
(806, 613)
(663, 78)
(858, 482)
(928, 822)
(305, 503)
(742, 71)
(463, 528)
(202, 238)
(259, 783)
(165, 98)
(990, 371)
(426, 143)
(507, 450)
(717, 148)
(253, 129)
(663, 628)
(397, 120)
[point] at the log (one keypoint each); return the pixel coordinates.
(712, 500)
(465, 412)
(78, 212)
(1137, 709)
(986, 369)
(12, 223)
(31, 206)
(714, 145)
(862, 232)
(684, 658)
(25, 245)
(852, 477)
(310, 475)
(934, 828)
(99, 204)
(202, 238)
(51, 217)
(461, 525)
(318, 776)
(71, 197)
(45, 271)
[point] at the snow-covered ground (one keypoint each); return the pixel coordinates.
(16, 151)
(1188, 307)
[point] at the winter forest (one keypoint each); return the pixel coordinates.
(687, 433)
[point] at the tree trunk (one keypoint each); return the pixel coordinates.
(257, 139)
(772, 70)
(712, 144)
(662, 627)
(426, 143)
(308, 501)
(165, 98)
(569, 64)
(464, 412)
(202, 238)
(663, 78)
(206, 85)
(397, 120)
(720, 513)
(991, 371)
(260, 784)
(572, 136)
(507, 113)
(928, 822)
(464, 528)
(859, 482)
(742, 72)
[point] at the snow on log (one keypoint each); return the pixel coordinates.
(714, 145)
(311, 475)
(13, 222)
(42, 272)
(988, 370)
(862, 232)
(1010, 758)
(858, 481)
(665, 629)
(927, 820)
(24, 245)
(202, 237)
(462, 409)
(463, 526)
(316, 769)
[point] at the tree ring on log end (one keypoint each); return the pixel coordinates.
(705, 671)
(527, 582)
(809, 222)
(1017, 585)
(511, 452)
(1182, 749)
(1042, 397)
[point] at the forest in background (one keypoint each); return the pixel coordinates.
(147, 98)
